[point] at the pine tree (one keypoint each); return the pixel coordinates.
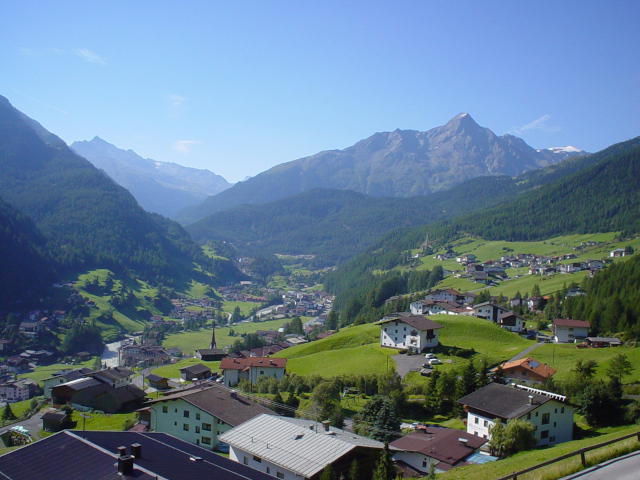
(7, 413)
(384, 468)
(354, 471)
(328, 473)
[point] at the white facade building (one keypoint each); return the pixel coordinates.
(415, 332)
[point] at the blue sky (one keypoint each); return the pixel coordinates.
(238, 87)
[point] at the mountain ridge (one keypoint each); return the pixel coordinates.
(401, 163)
(159, 187)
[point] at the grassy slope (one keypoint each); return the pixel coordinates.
(356, 350)
(492, 470)
(40, 373)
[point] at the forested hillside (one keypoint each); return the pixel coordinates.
(612, 301)
(24, 271)
(335, 225)
(602, 197)
(87, 219)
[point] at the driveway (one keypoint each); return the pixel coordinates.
(33, 424)
(405, 363)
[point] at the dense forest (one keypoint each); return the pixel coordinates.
(24, 270)
(601, 197)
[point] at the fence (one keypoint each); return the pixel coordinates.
(581, 452)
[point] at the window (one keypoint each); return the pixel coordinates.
(185, 427)
(245, 460)
(197, 429)
(554, 424)
(562, 410)
(544, 434)
(186, 414)
(268, 471)
(475, 420)
(279, 474)
(556, 411)
(552, 439)
(486, 423)
(206, 426)
(536, 414)
(165, 409)
(424, 464)
(545, 418)
(257, 459)
(529, 416)
(197, 416)
(206, 440)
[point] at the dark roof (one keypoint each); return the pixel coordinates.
(443, 444)
(169, 457)
(72, 374)
(126, 394)
(113, 373)
(63, 456)
(66, 456)
(502, 401)
(220, 402)
(195, 369)
(416, 321)
(154, 378)
(54, 417)
(211, 351)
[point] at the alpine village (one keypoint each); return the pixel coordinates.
(469, 324)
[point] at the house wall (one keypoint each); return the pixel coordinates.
(395, 335)
(567, 334)
(173, 422)
(559, 428)
(522, 375)
(417, 460)
(241, 456)
(264, 371)
(231, 377)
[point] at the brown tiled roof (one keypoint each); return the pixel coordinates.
(416, 321)
(443, 444)
(568, 322)
(541, 369)
(242, 363)
(220, 402)
(195, 369)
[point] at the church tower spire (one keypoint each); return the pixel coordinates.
(213, 335)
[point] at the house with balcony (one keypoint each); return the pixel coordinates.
(251, 368)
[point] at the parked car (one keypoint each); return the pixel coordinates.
(426, 372)
(429, 355)
(434, 361)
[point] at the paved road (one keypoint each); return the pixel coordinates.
(623, 468)
(33, 424)
(525, 351)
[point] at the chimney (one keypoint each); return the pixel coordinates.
(136, 450)
(530, 399)
(326, 424)
(233, 394)
(125, 464)
(463, 441)
(122, 451)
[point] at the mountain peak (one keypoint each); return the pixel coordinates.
(462, 121)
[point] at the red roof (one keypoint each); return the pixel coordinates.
(568, 322)
(242, 363)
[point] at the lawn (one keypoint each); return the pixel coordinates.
(356, 349)
(188, 342)
(173, 370)
(563, 358)
(97, 421)
(40, 373)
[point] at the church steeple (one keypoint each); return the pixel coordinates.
(213, 335)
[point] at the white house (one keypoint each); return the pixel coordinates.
(566, 330)
(251, 369)
(199, 415)
(549, 413)
(297, 449)
(512, 322)
(490, 311)
(415, 332)
(449, 295)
